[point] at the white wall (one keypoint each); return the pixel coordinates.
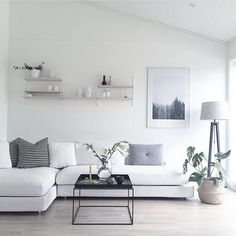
(231, 123)
(80, 42)
(231, 47)
(4, 40)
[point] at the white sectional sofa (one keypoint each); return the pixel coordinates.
(34, 189)
(148, 181)
(31, 189)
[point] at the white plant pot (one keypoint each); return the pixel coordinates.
(35, 73)
(211, 194)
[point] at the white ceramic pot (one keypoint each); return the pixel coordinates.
(211, 194)
(35, 73)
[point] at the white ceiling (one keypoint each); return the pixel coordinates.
(212, 18)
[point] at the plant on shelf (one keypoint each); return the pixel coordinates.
(104, 168)
(34, 70)
(210, 187)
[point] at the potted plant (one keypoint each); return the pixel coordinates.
(104, 168)
(34, 70)
(211, 188)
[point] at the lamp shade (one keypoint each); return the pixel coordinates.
(215, 111)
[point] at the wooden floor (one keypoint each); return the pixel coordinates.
(156, 217)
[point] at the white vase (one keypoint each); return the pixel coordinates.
(211, 194)
(35, 73)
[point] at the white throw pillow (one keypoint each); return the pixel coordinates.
(83, 157)
(62, 155)
(5, 159)
(117, 159)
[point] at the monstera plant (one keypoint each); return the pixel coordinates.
(211, 189)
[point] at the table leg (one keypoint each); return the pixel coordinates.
(132, 222)
(73, 207)
(128, 197)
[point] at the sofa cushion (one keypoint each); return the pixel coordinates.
(5, 160)
(140, 175)
(14, 152)
(33, 155)
(143, 154)
(62, 155)
(83, 157)
(26, 182)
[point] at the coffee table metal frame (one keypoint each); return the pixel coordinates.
(126, 186)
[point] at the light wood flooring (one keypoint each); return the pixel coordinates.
(156, 217)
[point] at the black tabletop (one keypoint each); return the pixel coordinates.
(83, 183)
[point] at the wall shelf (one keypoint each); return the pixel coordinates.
(79, 98)
(42, 88)
(115, 86)
(44, 79)
(114, 99)
(40, 97)
(51, 92)
(115, 92)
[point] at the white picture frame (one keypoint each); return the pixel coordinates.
(168, 94)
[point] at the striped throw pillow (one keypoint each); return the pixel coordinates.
(33, 155)
(14, 152)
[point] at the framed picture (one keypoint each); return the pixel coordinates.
(168, 97)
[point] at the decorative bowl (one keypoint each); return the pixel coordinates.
(119, 179)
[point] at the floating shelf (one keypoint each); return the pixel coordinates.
(48, 92)
(36, 88)
(80, 98)
(44, 79)
(115, 86)
(42, 97)
(118, 99)
(98, 98)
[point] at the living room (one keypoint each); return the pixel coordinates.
(101, 66)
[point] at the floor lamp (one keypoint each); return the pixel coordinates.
(214, 111)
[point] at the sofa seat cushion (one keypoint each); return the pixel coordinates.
(26, 182)
(140, 175)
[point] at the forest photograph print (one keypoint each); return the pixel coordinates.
(168, 97)
(173, 111)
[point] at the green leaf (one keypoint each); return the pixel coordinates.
(196, 177)
(197, 159)
(220, 156)
(190, 152)
(217, 182)
(200, 180)
(193, 176)
(203, 171)
(185, 166)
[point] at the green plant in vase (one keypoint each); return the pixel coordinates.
(210, 187)
(34, 70)
(104, 167)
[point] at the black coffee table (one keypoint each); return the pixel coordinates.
(81, 184)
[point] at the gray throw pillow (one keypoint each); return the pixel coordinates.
(33, 155)
(14, 152)
(146, 154)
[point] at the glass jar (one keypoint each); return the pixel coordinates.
(104, 169)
